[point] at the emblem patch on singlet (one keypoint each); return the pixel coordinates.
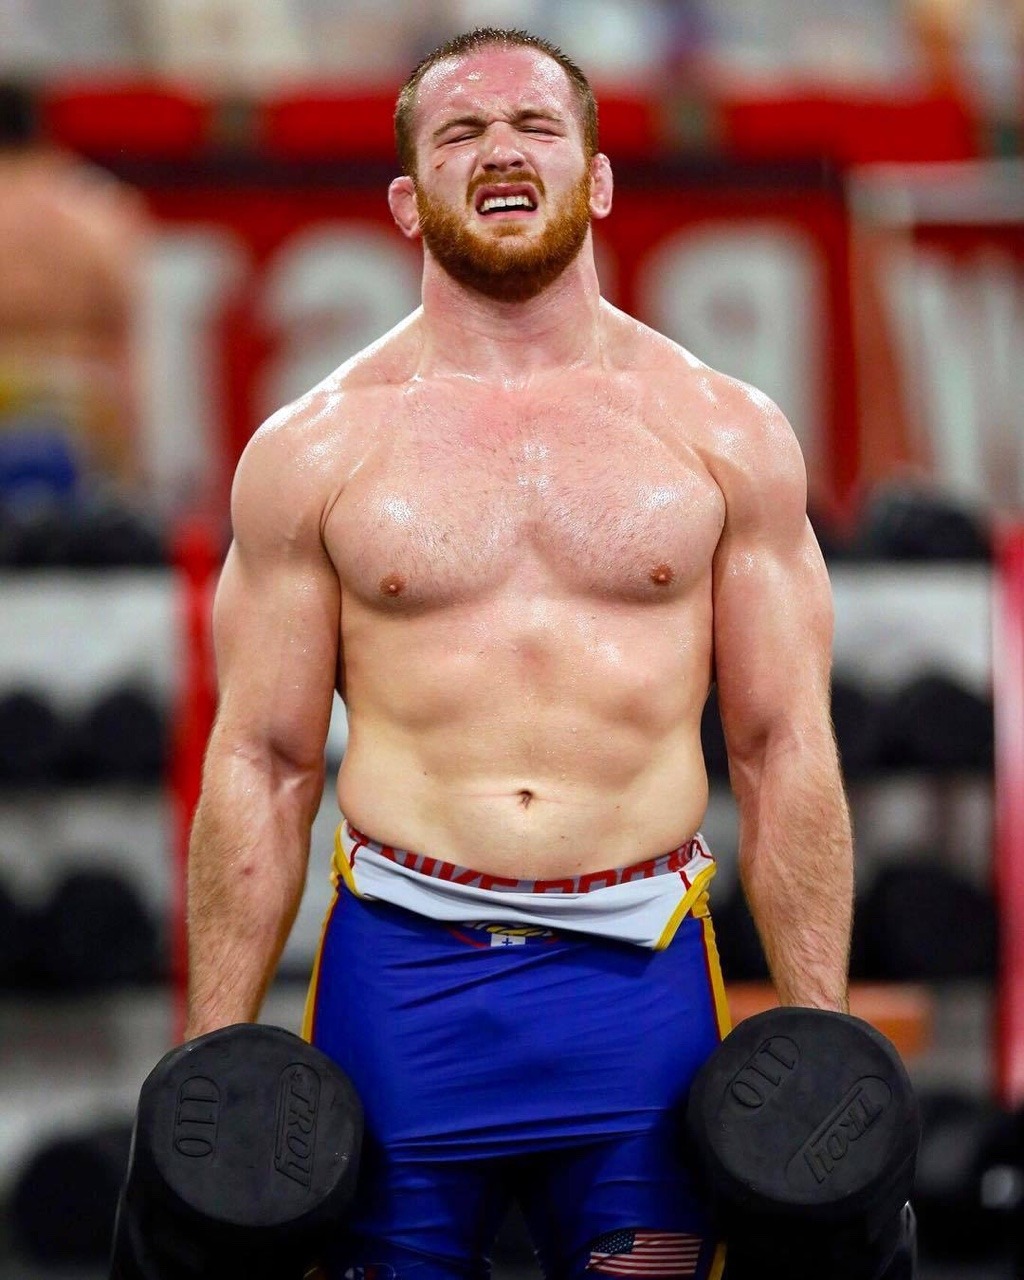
(511, 935)
(488, 933)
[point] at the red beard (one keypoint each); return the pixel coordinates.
(509, 266)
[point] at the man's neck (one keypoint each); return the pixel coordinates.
(467, 333)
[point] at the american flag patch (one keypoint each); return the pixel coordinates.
(645, 1253)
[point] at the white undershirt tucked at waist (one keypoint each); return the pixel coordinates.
(641, 904)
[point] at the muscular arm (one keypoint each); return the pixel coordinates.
(276, 629)
(773, 646)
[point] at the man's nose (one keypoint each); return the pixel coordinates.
(502, 149)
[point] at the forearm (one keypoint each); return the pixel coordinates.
(247, 867)
(796, 866)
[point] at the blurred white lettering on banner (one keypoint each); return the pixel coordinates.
(959, 325)
(327, 293)
(189, 278)
(747, 299)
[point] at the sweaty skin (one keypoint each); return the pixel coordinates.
(521, 539)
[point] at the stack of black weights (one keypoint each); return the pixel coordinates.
(120, 737)
(63, 1202)
(93, 531)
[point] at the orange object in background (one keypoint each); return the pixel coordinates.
(904, 1013)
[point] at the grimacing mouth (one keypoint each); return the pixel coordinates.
(499, 197)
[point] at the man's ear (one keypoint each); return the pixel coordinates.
(402, 203)
(601, 185)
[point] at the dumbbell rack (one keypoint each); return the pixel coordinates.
(118, 1036)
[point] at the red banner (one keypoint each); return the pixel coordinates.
(266, 279)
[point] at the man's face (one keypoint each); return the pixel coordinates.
(503, 183)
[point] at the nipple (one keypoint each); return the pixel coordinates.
(391, 585)
(662, 575)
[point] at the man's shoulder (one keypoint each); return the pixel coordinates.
(721, 404)
(750, 449)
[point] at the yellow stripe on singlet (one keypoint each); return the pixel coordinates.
(341, 865)
(314, 980)
(723, 1020)
(723, 1016)
(691, 900)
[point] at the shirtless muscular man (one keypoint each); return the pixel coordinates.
(520, 534)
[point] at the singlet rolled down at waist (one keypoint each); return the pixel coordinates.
(641, 904)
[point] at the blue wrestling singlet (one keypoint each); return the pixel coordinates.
(504, 1061)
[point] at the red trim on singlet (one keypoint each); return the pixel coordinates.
(361, 842)
(673, 861)
(473, 942)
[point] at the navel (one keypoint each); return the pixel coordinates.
(525, 797)
(662, 575)
(392, 585)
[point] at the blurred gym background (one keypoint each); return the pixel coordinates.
(825, 198)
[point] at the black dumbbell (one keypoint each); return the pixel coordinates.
(857, 719)
(14, 937)
(63, 1203)
(969, 1188)
(9, 535)
(122, 737)
(902, 522)
(804, 1130)
(105, 532)
(934, 722)
(33, 738)
(245, 1156)
(36, 535)
(923, 922)
(94, 932)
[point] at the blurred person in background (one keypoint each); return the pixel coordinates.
(520, 534)
(71, 243)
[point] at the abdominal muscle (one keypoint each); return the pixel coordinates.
(528, 738)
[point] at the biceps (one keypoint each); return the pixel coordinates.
(276, 634)
(773, 642)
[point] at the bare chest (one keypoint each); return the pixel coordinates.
(453, 504)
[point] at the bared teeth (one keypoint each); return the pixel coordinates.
(506, 202)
